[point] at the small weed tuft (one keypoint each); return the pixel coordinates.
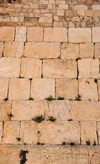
(70, 99)
(63, 143)
(50, 98)
(78, 98)
(5, 99)
(72, 143)
(52, 119)
(95, 80)
(38, 118)
(94, 144)
(22, 155)
(38, 143)
(31, 98)
(18, 139)
(10, 115)
(78, 59)
(88, 142)
(60, 98)
(70, 120)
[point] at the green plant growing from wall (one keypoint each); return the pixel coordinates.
(64, 143)
(38, 119)
(88, 142)
(18, 139)
(52, 119)
(50, 98)
(22, 155)
(31, 98)
(95, 80)
(78, 59)
(94, 143)
(60, 98)
(72, 143)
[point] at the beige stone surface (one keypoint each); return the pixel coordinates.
(67, 88)
(96, 34)
(79, 35)
(7, 33)
(60, 12)
(19, 89)
(9, 67)
(80, 7)
(99, 89)
(20, 33)
(98, 131)
(1, 48)
(57, 68)
(30, 68)
(42, 88)
(42, 50)
(69, 51)
(97, 50)
(11, 132)
(86, 50)
(88, 132)
(3, 88)
(25, 110)
(5, 110)
(1, 131)
(34, 34)
(13, 49)
(88, 89)
(55, 34)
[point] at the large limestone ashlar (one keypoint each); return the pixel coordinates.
(20, 34)
(99, 88)
(9, 67)
(1, 131)
(67, 88)
(79, 35)
(42, 88)
(60, 68)
(88, 132)
(30, 68)
(86, 50)
(69, 51)
(55, 34)
(42, 50)
(11, 132)
(5, 110)
(13, 49)
(97, 50)
(34, 34)
(19, 89)
(88, 89)
(25, 110)
(1, 48)
(96, 34)
(7, 33)
(3, 88)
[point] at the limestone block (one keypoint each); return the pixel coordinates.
(42, 50)
(20, 34)
(88, 89)
(88, 68)
(60, 68)
(45, 20)
(7, 33)
(1, 130)
(9, 67)
(63, 6)
(59, 131)
(19, 89)
(97, 50)
(96, 34)
(42, 88)
(67, 88)
(88, 131)
(96, 7)
(86, 50)
(79, 35)
(3, 88)
(84, 110)
(5, 110)
(30, 68)
(98, 131)
(55, 34)
(13, 49)
(60, 12)
(80, 7)
(99, 88)
(1, 48)
(11, 132)
(69, 51)
(25, 110)
(34, 34)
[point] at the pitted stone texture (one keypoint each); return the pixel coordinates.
(13, 49)
(86, 50)
(7, 33)
(25, 110)
(3, 88)
(11, 132)
(97, 50)
(79, 35)
(30, 68)
(96, 34)
(20, 34)
(5, 110)
(88, 132)
(55, 34)
(1, 48)
(60, 68)
(69, 51)
(67, 88)
(34, 34)
(9, 67)
(1, 131)
(19, 89)
(88, 89)
(42, 88)
(42, 50)
(88, 68)
(58, 109)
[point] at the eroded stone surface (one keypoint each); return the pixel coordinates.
(86, 50)
(34, 34)
(20, 34)
(96, 34)
(1, 130)
(3, 88)
(7, 33)
(1, 48)
(5, 110)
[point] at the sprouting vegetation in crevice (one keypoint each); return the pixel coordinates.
(22, 155)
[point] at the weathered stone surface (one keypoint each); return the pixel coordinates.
(13, 49)
(80, 7)
(5, 110)
(86, 50)
(7, 33)
(19, 89)
(55, 34)
(30, 68)
(1, 48)
(69, 51)
(97, 50)
(88, 89)
(99, 89)
(88, 132)
(42, 88)
(98, 131)
(79, 35)
(34, 34)
(42, 50)
(20, 34)
(25, 110)
(3, 88)
(67, 88)
(9, 67)
(96, 34)
(60, 68)
(1, 131)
